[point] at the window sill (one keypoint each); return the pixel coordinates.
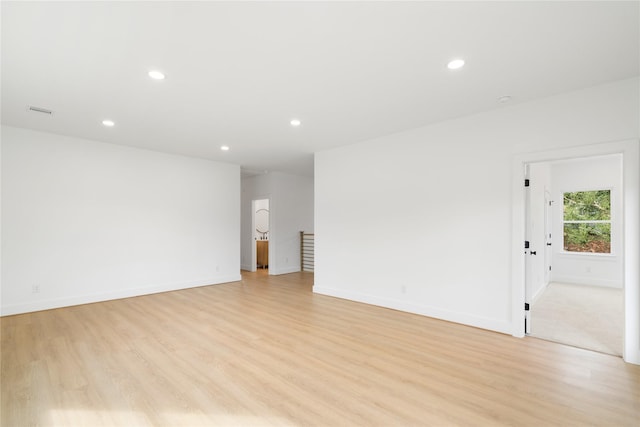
(604, 257)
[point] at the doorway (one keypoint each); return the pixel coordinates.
(574, 289)
(628, 237)
(261, 227)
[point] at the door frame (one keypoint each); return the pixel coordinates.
(630, 150)
(548, 237)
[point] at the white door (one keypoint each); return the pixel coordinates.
(548, 248)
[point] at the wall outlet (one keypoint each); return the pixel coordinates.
(35, 289)
(217, 268)
(403, 289)
(286, 260)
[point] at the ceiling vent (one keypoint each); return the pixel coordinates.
(40, 110)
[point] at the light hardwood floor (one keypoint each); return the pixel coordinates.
(267, 351)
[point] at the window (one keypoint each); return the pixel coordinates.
(587, 221)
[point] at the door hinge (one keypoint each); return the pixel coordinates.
(526, 182)
(549, 268)
(526, 306)
(526, 244)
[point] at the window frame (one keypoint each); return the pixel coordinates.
(610, 221)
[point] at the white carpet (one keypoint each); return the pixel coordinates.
(582, 316)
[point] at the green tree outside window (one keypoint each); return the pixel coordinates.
(587, 221)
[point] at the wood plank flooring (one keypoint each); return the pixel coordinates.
(267, 351)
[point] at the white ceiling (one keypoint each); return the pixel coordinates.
(238, 72)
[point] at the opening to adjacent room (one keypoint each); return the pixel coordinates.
(574, 268)
(260, 229)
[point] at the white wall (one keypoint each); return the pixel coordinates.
(291, 211)
(421, 220)
(87, 221)
(598, 173)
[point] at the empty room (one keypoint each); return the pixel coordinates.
(320, 213)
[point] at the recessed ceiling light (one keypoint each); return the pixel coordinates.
(504, 99)
(455, 64)
(224, 148)
(156, 75)
(295, 122)
(108, 123)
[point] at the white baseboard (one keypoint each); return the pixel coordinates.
(450, 316)
(537, 295)
(287, 270)
(52, 303)
(586, 280)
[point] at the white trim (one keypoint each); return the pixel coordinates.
(631, 242)
(286, 270)
(587, 280)
(538, 294)
(437, 313)
(610, 257)
(631, 234)
(107, 296)
(254, 245)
